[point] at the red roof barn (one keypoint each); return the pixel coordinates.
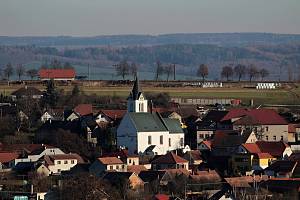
(57, 74)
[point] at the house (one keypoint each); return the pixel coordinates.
(140, 130)
(101, 165)
(27, 92)
(225, 143)
(117, 178)
(51, 115)
(267, 124)
(281, 169)
(128, 159)
(109, 116)
(259, 155)
(172, 115)
(38, 153)
(7, 160)
(194, 157)
(169, 161)
(57, 74)
(205, 145)
(55, 164)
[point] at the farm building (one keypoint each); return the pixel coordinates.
(57, 74)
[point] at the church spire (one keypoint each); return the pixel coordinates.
(136, 100)
(136, 90)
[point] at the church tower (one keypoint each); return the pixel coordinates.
(136, 101)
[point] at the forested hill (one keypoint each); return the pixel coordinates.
(221, 39)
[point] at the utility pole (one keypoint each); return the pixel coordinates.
(174, 70)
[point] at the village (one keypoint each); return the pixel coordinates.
(147, 149)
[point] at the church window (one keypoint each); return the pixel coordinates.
(181, 141)
(161, 138)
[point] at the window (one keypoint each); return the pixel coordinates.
(65, 162)
(267, 128)
(170, 142)
(58, 162)
(72, 162)
(274, 137)
(161, 139)
(129, 161)
(200, 136)
(58, 170)
(281, 138)
(111, 167)
(117, 167)
(123, 166)
(181, 142)
(267, 137)
(149, 139)
(141, 105)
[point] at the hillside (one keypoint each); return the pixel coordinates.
(280, 54)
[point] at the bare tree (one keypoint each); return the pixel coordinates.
(133, 70)
(159, 70)
(122, 69)
(227, 72)
(8, 71)
(20, 71)
(32, 73)
(203, 71)
(252, 72)
(263, 73)
(240, 71)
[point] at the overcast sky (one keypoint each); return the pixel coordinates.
(111, 17)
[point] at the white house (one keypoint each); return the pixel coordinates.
(36, 155)
(55, 164)
(142, 132)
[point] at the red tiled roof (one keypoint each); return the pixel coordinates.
(251, 147)
(206, 176)
(24, 147)
(64, 157)
(169, 158)
(7, 156)
(259, 116)
(114, 114)
(84, 109)
(136, 168)
(275, 149)
(161, 197)
(110, 160)
(264, 155)
(207, 143)
(56, 73)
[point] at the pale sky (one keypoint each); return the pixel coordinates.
(113, 17)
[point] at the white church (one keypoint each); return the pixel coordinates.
(143, 132)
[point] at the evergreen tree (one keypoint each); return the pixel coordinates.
(50, 97)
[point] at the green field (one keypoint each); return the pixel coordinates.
(278, 96)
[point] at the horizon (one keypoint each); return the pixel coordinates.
(152, 35)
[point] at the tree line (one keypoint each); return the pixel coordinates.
(229, 72)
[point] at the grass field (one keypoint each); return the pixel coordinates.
(278, 96)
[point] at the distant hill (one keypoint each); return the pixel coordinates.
(222, 39)
(278, 53)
